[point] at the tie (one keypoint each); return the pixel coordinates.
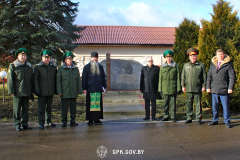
(219, 63)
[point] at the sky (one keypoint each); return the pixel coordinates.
(152, 13)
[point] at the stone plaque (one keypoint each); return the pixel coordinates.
(125, 74)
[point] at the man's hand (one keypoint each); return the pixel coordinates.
(184, 89)
(12, 95)
(60, 94)
(230, 91)
(208, 90)
(203, 89)
(85, 91)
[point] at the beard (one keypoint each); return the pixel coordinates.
(94, 67)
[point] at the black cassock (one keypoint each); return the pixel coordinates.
(93, 83)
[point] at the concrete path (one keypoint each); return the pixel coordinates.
(131, 141)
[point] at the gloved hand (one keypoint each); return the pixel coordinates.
(179, 92)
(37, 93)
(160, 93)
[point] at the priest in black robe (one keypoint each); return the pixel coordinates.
(93, 82)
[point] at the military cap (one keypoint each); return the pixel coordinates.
(68, 54)
(168, 53)
(94, 54)
(46, 53)
(192, 51)
(21, 51)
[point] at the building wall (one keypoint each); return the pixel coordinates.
(137, 53)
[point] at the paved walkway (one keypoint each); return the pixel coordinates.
(123, 108)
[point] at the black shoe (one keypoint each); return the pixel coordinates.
(18, 128)
(73, 124)
(213, 123)
(227, 125)
(64, 124)
(154, 119)
(174, 120)
(90, 122)
(27, 127)
(51, 124)
(199, 122)
(188, 121)
(146, 118)
(164, 119)
(98, 122)
(41, 126)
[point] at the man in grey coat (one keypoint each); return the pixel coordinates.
(220, 82)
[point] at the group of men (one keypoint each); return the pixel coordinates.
(45, 80)
(193, 80)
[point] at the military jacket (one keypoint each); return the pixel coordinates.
(169, 79)
(20, 79)
(194, 76)
(68, 81)
(45, 79)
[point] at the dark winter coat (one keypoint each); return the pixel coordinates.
(219, 81)
(93, 83)
(20, 79)
(194, 77)
(68, 81)
(169, 79)
(149, 82)
(45, 79)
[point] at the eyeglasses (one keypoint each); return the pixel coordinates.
(150, 61)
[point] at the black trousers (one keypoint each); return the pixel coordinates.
(65, 102)
(147, 107)
(44, 104)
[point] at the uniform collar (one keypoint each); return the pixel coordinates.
(17, 63)
(65, 66)
(173, 64)
(43, 64)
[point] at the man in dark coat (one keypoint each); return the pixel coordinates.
(149, 87)
(193, 83)
(69, 85)
(20, 86)
(220, 82)
(169, 84)
(45, 87)
(94, 83)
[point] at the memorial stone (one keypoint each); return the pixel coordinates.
(125, 74)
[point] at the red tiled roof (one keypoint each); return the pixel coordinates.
(126, 35)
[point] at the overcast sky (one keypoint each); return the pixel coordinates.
(156, 13)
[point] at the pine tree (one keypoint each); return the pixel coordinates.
(223, 31)
(38, 25)
(186, 36)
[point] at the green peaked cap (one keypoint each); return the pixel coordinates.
(21, 50)
(168, 53)
(46, 53)
(68, 54)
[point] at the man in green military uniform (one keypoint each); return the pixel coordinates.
(20, 82)
(194, 83)
(45, 87)
(169, 84)
(69, 85)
